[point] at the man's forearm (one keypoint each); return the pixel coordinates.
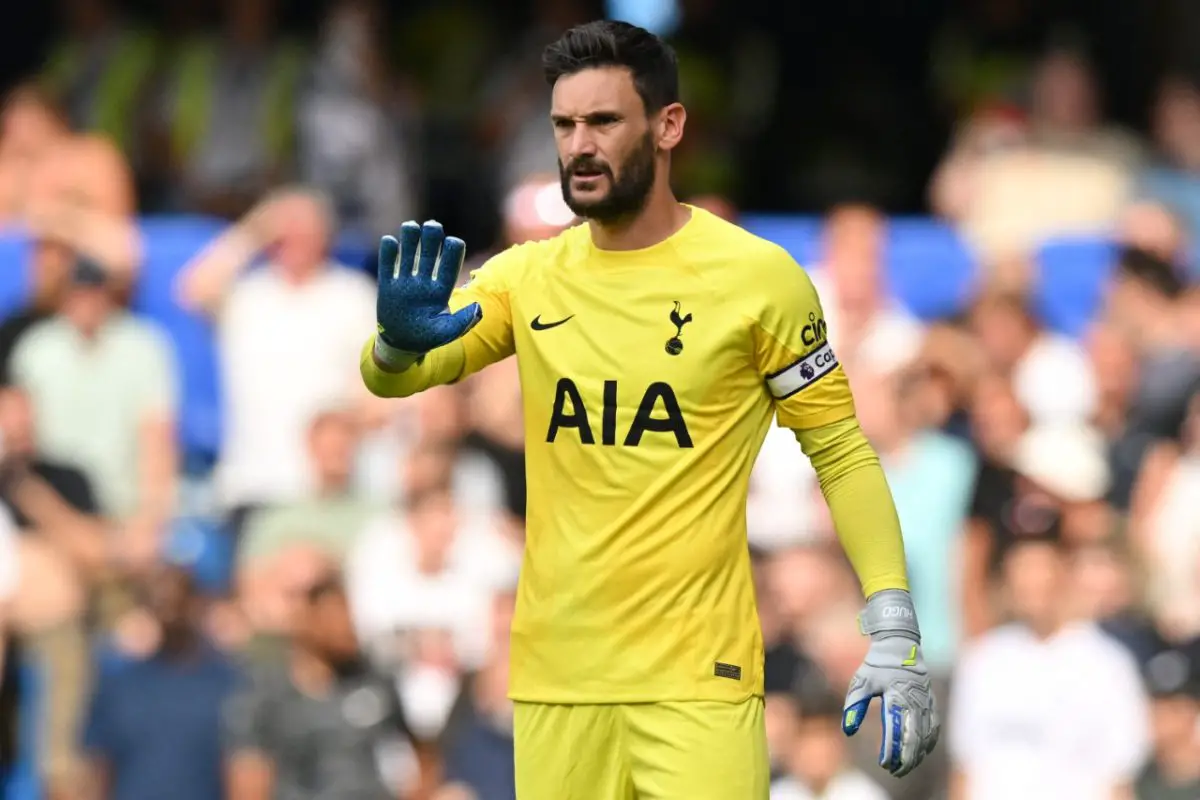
(860, 503)
(438, 367)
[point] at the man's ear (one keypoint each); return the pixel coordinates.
(669, 125)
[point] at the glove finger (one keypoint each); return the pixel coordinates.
(446, 327)
(410, 246)
(853, 715)
(911, 744)
(389, 253)
(892, 722)
(449, 265)
(432, 235)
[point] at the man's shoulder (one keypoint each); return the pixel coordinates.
(515, 263)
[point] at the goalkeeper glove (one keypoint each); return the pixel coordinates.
(894, 671)
(418, 270)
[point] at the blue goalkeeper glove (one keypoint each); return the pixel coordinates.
(894, 671)
(418, 270)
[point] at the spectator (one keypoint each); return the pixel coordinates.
(1050, 373)
(819, 767)
(350, 134)
(1004, 744)
(1175, 179)
(867, 328)
(421, 569)
(1173, 771)
(1166, 531)
(228, 111)
(73, 195)
(1155, 228)
(41, 615)
(329, 520)
(51, 499)
(273, 390)
(100, 69)
(321, 724)
(478, 741)
(156, 722)
(914, 458)
(1066, 465)
(31, 126)
(1144, 306)
(123, 436)
(1072, 175)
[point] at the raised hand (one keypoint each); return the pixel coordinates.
(418, 270)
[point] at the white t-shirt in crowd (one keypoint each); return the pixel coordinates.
(389, 595)
(1055, 383)
(1059, 719)
(849, 785)
(782, 506)
(893, 337)
(287, 352)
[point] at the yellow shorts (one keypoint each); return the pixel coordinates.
(698, 750)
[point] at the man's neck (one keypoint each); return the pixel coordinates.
(311, 674)
(661, 218)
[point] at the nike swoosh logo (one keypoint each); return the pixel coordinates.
(538, 325)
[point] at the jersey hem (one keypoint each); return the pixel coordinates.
(554, 699)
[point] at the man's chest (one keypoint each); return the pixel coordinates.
(616, 349)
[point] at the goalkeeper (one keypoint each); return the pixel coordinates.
(655, 344)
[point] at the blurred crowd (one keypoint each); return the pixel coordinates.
(356, 647)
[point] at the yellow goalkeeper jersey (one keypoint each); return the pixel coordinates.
(649, 379)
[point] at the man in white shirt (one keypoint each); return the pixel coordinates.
(289, 340)
(1045, 706)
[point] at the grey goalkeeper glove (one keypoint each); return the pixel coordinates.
(895, 672)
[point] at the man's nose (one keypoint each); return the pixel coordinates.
(582, 143)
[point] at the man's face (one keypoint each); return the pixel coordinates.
(1033, 578)
(606, 143)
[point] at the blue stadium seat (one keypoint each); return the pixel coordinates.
(16, 285)
(170, 243)
(930, 268)
(800, 236)
(1072, 276)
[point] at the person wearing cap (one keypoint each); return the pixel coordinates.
(1067, 464)
(1047, 705)
(103, 386)
(1173, 771)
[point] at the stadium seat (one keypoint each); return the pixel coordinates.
(1072, 273)
(930, 268)
(170, 243)
(800, 236)
(15, 283)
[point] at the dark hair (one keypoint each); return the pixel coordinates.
(609, 43)
(1151, 271)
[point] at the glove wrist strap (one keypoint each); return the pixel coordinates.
(890, 612)
(393, 358)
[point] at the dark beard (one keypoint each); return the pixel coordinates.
(627, 194)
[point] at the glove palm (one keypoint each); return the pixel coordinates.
(418, 270)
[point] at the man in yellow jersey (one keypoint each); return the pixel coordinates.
(655, 344)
